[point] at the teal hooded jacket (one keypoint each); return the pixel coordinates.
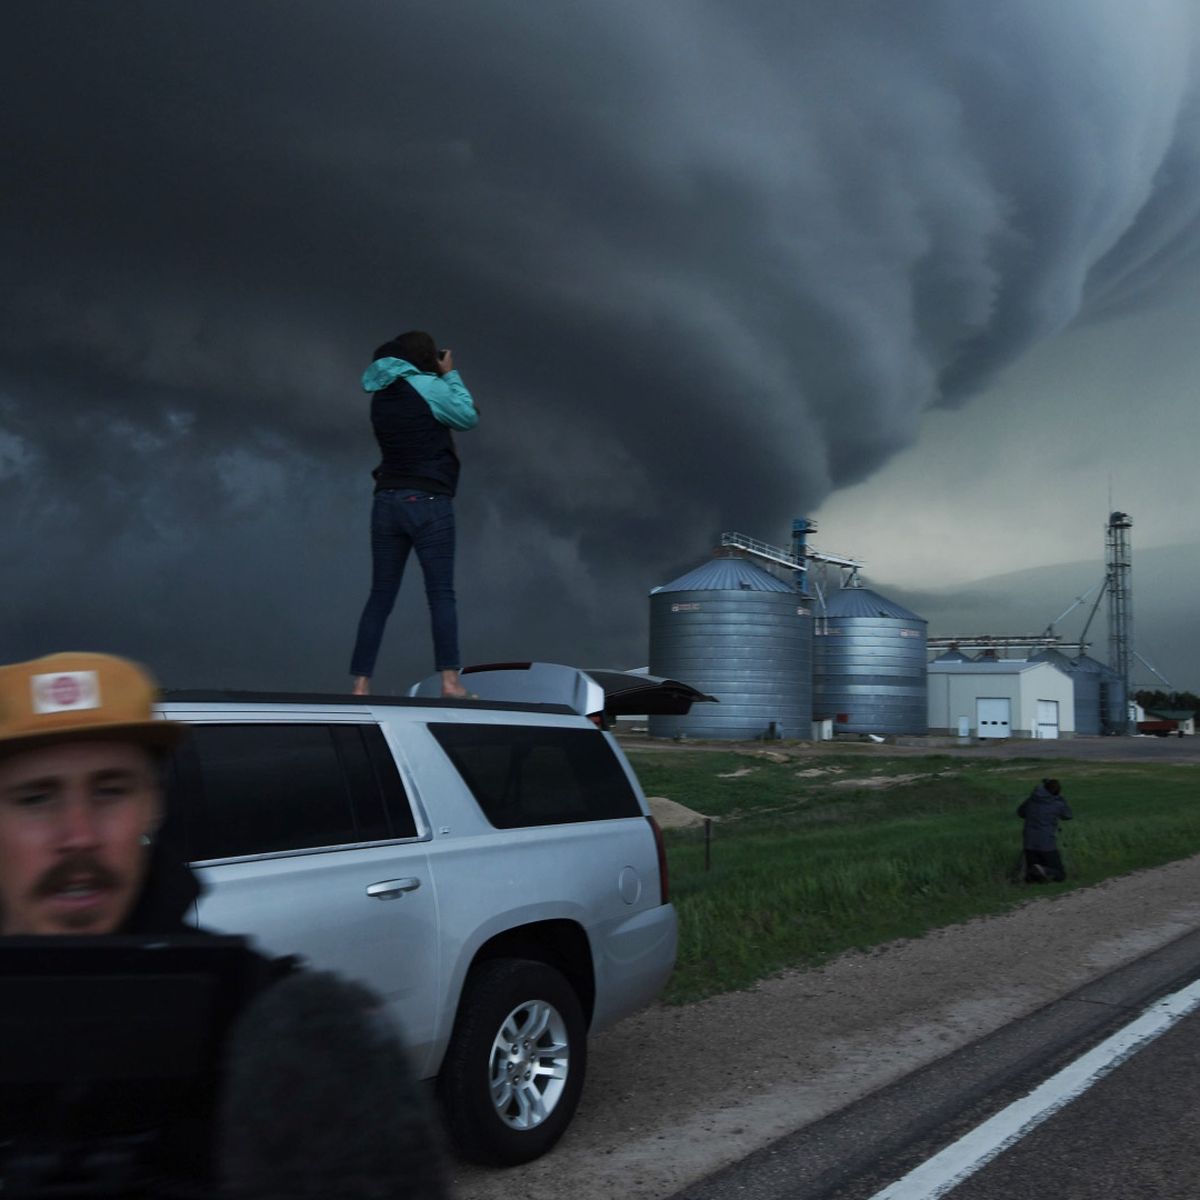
(446, 395)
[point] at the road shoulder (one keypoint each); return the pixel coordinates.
(861, 1148)
(675, 1094)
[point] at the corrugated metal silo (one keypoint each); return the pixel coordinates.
(869, 664)
(1087, 690)
(1114, 703)
(733, 630)
(1114, 716)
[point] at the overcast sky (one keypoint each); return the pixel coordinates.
(926, 271)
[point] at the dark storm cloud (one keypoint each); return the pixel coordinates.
(700, 265)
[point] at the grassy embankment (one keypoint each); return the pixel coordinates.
(811, 857)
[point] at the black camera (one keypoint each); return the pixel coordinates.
(110, 1055)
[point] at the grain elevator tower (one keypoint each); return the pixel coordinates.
(1119, 587)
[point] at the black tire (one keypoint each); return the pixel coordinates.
(537, 1080)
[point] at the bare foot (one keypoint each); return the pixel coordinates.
(451, 687)
(362, 685)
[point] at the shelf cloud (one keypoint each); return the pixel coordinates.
(700, 266)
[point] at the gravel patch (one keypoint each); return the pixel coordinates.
(877, 781)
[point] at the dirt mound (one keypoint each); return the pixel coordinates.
(671, 815)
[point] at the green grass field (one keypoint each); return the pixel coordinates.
(820, 854)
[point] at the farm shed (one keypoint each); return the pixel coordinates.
(1006, 698)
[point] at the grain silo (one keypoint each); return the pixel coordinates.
(1088, 720)
(869, 664)
(734, 630)
(1113, 701)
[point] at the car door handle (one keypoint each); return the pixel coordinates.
(392, 889)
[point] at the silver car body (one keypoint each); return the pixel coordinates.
(409, 916)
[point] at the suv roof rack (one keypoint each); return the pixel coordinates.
(232, 696)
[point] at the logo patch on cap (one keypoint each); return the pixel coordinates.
(65, 692)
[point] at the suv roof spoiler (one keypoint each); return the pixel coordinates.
(596, 692)
(626, 693)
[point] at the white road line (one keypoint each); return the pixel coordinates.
(945, 1170)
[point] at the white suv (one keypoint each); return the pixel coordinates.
(490, 868)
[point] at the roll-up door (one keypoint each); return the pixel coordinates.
(993, 716)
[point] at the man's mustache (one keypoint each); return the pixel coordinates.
(72, 869)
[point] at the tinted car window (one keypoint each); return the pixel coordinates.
(263, 788)
(531, 775)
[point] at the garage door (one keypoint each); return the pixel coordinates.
(1047, 722)
(993, 716)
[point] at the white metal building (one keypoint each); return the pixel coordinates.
(1008, 698)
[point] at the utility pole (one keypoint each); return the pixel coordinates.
(1119, 587)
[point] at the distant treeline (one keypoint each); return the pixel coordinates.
(1170, 701)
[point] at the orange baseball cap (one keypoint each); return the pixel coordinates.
(73, 696)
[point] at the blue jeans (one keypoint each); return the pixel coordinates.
(403, 519)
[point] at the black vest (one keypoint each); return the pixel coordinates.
(417, 449)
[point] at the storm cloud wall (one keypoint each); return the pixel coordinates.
(692, 258)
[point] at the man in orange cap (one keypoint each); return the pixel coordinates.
(81, 800)
(81, 808)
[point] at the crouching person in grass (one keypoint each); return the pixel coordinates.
(1042, 812)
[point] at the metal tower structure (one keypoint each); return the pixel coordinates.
(1118, 585)
(797, 557)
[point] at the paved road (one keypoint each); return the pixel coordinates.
(1100, 749)
(1097, 749)
(1132, 1135)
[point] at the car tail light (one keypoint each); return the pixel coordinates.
(660, 847)
(596, 719)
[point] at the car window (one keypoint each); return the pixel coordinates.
(261, 788)
(538, 775)
(374, 772)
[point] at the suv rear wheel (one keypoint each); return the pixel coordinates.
(514, 1069)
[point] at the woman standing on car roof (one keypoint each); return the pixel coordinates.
(417, 398)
